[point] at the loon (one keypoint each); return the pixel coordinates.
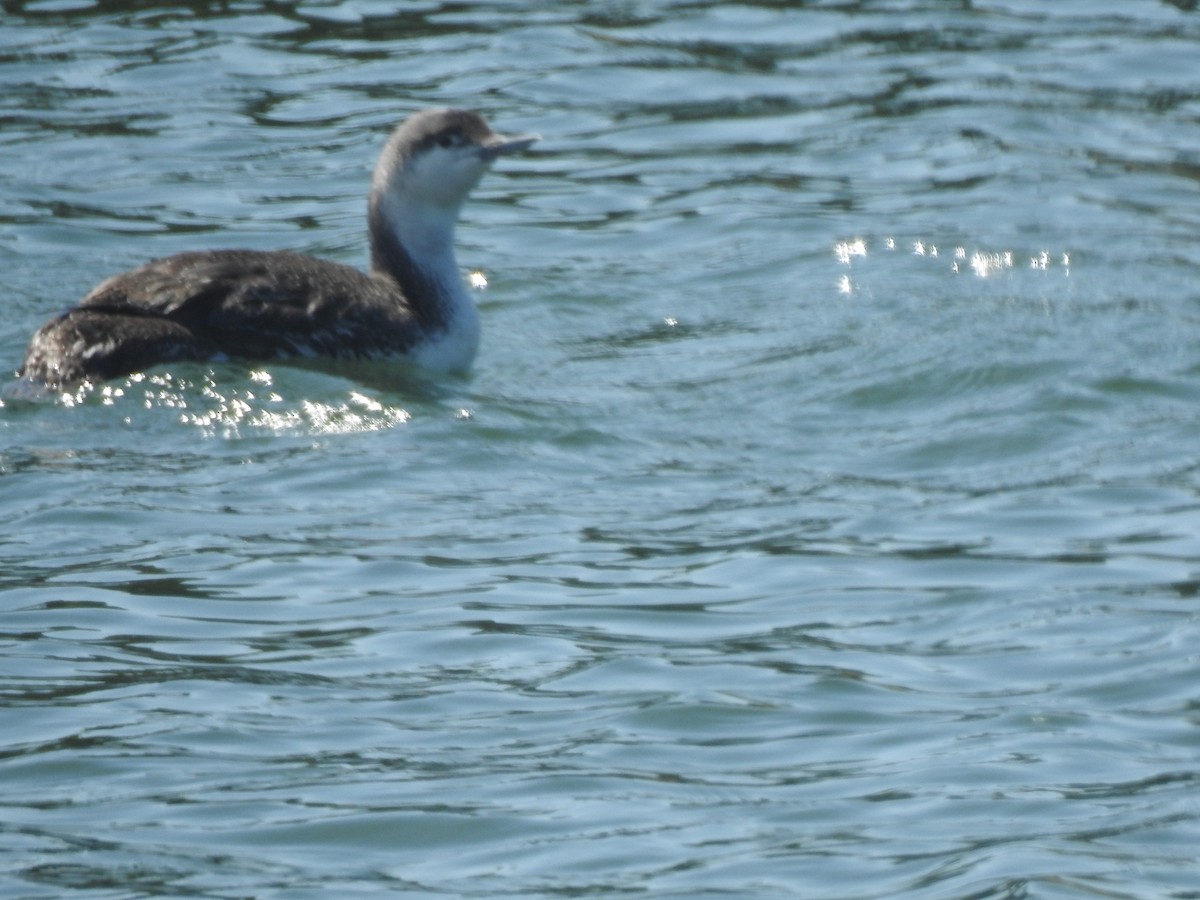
(258, 305)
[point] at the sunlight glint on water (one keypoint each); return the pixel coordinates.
(819, 519)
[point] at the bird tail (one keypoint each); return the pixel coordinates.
(95, 344)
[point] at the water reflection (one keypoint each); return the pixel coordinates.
(824, 503)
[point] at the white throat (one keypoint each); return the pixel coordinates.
(426, 232)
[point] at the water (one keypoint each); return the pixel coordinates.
(820, 519)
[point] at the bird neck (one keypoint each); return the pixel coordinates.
(412, 242)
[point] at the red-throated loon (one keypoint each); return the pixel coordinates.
(249, 304)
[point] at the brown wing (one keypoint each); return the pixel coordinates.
(237, 304)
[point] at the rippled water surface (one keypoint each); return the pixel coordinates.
(820, 518)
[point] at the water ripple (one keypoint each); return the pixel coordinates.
(819, 520)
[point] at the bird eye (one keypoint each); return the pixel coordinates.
(446, 141)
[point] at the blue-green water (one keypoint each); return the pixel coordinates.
(821, 518)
